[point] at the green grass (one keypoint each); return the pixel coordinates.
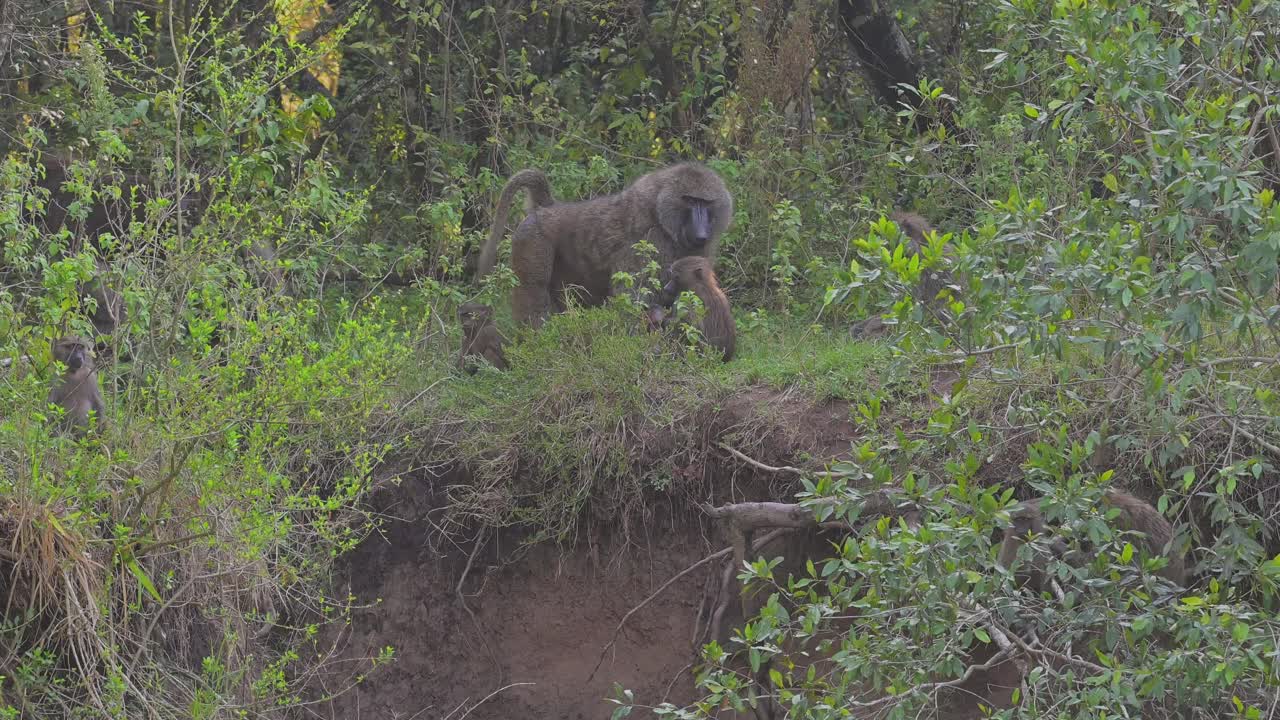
(822, 362)
(595, 413)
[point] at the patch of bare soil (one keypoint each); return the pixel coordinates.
(786, 424)
(539, 628)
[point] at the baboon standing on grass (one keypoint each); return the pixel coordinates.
(1135, 515)
(696, 274)
(76, 391)
(682, 210)
(480, 337)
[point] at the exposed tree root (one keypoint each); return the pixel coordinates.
(475, 550)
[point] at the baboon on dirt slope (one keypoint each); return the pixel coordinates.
(480, 337)
(1135, 515)
(682, 210)
(76, 391)
(696, 274)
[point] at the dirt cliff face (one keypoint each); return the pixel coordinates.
(543, 616)
(539, 628)
(525, 636)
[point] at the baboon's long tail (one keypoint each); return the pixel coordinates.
(531, 179)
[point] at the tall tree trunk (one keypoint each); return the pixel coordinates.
(659, 39)
(413, 112)
(886, 57)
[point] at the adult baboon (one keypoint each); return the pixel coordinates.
(105, 214)
(76, 390)
(682, 210)
(114, 215)
(1135, 515)
(696, 274)
(480, 337)
(539, 187)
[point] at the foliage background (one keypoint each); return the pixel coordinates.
(1103, 174)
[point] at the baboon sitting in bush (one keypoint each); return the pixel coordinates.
(1135, 515)
(76, 390)
(932, 280)
(682, 210)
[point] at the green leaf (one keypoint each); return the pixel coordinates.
(138, 572)
(1031, 111)
(1111, 183)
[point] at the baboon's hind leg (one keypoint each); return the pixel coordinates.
(531, 304)
(533, 259)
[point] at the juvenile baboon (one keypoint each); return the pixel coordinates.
(932, 280)
(696, 274)
(76, 390)
(868, 328)
(682, 210)
(480, 337)
(1135, 515)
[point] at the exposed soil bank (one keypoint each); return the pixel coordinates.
(545, 619)
(542, 619)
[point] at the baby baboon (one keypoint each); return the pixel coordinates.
(682, 210)
(76, 391)
(696, 274)
(1135, 515)
(480, 336)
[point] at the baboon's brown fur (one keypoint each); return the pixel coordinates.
(933, 280)
(1135, 515)
(480, 337)
(539, 187)
(696, 274)
(76, 390)
(682, 210)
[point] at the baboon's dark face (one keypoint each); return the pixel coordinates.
(694, 209)
(72, 353)
(699, 220)
(695, 225)
(1025, 521)
(474, 315)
